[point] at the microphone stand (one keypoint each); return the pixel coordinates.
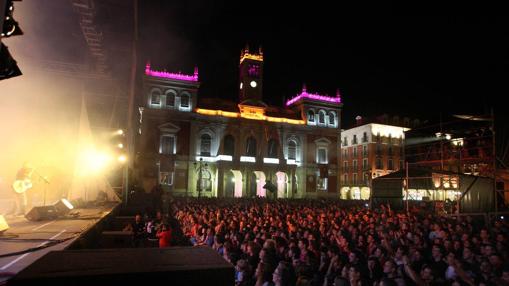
(45, 187)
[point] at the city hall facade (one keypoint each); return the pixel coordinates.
(213, 147)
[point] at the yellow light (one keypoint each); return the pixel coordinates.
(93, 161)
(122, 158)
(120, 132)
(251, 57)
(120, 145)
(249, 113)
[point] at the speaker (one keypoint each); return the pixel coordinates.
(42, 213)
(63, 206)
(3, 225)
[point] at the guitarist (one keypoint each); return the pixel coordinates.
(24, 174)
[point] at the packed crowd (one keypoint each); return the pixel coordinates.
(318, 242)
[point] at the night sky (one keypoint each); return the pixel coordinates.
(417, 60)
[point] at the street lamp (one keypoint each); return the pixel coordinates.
(199, 167)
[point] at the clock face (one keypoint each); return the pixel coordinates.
(253, 84)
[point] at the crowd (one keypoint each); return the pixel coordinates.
(319, 242)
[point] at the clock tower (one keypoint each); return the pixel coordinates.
(251, 75)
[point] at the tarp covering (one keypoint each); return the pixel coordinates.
(476, 192)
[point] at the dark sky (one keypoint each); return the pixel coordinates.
(419, 59)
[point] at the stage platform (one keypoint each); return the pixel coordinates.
(45, 236)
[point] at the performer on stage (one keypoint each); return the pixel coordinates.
(21, 185)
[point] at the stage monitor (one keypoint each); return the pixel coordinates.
(63, 206)
(42, 213)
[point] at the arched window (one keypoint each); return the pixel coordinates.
(311, 116)
(170, 98)
(251, 147)
(229, 145)
(155, 97)
(272, 148)
(184, 100)
(205, 142)
(332, 118)
(292, 150)
(321, 117)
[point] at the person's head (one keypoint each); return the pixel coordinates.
(426, 273)
(354, 273)
(137, 218)
(389, 267)
(281, 275)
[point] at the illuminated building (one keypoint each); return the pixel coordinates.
(369, 151)
(242, 146)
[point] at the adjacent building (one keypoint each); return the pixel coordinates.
(368, 151)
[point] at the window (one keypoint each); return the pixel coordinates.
(205, 142)
(401, 165)
(251, 147)
(378, 137)
(321, 157)
(355, 166)
(184, 100)
(345, 166)
(354, 140)
(390, 165)
(345, 153)
(272, 147)
(364, 164)
(229, 145)
(345, 141)
(345, 179)
(322, 183)
(292, 150)
(166, 178)
(366, 179)
(378, 163)
(332, 118)
(167, 144)
(354, 178)
(378, 149)
(311, 116)
(155, 98)
(364, 137)
(170, 99)
(355, 152)
(321, 117)
(365, 151)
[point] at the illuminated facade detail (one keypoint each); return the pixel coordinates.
(249, 113)
(313, 96)
(247, 159)
(271, 160)
(169, 75)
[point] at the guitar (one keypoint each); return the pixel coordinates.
(21, 186)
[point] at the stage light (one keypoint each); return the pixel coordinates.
(93, 161)
(120, 132)
(120, 145)
(122, 158)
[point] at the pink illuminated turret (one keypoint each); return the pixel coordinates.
(169, 75)
(314, 96)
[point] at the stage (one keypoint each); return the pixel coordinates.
(30, 240)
